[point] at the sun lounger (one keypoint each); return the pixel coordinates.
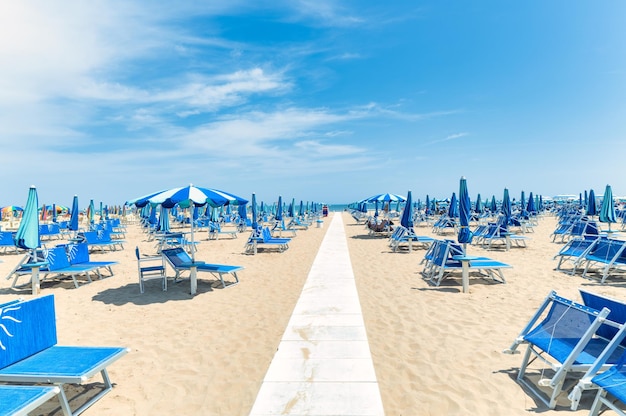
(181, 262)
(30, 354)
(215, 230)
(262, 238)
(22, 400)
(7, 242)
(100, 240)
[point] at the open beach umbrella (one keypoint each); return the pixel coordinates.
(192, 195)
(465, 207)
(386, 198)
(27, 235)
(11, 210)
(607, 210)
(592, 208)
(255, 217)
(406, 220)
(506, 207)
(73, 225)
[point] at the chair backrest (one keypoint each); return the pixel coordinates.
(27, 328)
(78, 253)
(6, 238)
(176, 256)
(617, 314)
(607, 249)
(57, 258)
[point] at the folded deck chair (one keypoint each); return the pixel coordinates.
(30, 354)
(150, 268)
(565, 336)
(181, 262)
(21, 400)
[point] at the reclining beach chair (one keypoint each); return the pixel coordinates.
(215, 230)
(574, 251)
(30, 354)
(7, 242)
(181, 262)
(566, 337)
(444, 264)
(262, 237)
(78, 255)
(606, 255)
(101, 240)
(21, 400)
(611, 353)
(405, 237)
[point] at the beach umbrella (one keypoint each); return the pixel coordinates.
(152, 217)
(531, 204)
(164, 220)
(255, 217)
(607, 210)
(54, 213)
(279, 209)
(427, 210)
(386, 198)
(301, 209)
(465, 234)
(494, 207)
(90, 212)
(11, 210)
(453, 209)
(406, 220)
(192, 195)
(522, 202)
(506, 207)
(479, 205)
(290, 210)
(592, 208)
(73, 225)
(27, 235)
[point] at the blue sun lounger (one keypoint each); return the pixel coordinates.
(262, 237)
(30, 354)
(21, 400)
(181, 262)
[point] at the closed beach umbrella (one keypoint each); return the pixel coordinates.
(255, 217)
(531, 204)
(73, 225)
(301, 209)
(406, 220)
(494, 207)
(27, 235)
(54, 213)
(90, 212)
(592, 208)
(607, 211)
(465, 234)
(506, 207)
(164, 220)
(453, 209)
(279, 209)
(427, 210)
(479, 205)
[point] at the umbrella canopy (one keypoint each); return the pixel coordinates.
(592, 208)
(255, 217)
(506, 206)
(406, 220)
(385, 198)
(27, 235)
(427, 209)
(91, 212)
(465, 206)
(607, 211)
(73, 225)
(453, 209)
(493, 207)
(301, 209)
(11, 209)
(192, 195)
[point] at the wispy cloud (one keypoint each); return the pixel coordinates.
(450, 137)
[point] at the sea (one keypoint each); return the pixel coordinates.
(337, 207)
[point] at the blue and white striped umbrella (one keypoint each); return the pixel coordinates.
(192, 195)
(385, 198)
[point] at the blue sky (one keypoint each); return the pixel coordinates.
(321, 100)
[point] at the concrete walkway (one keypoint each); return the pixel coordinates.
(323, 365)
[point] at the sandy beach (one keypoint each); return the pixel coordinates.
(436, 351)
